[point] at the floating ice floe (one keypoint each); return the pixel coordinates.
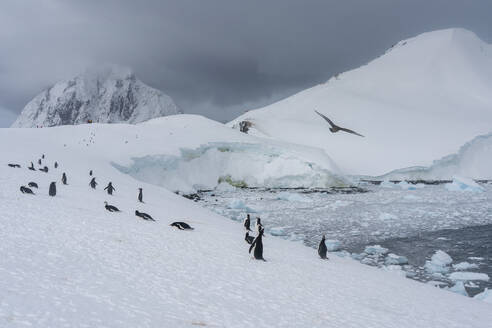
(375, 250)
(464, 266)
(465, 276)
(333, 245)
(458, 288)
(439, 263)
(277, 231)
(293, 197)
(393, 259)
(485, 296)
(464, 184)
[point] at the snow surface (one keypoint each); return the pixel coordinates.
(420, 101)
(485, 296)
(104, 94)
(68, 262)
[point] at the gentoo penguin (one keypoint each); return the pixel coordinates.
(56, 165)
(257, 246)
(64, 178)
(247, 223)
(39, 161)
(44, 169)
(335, 128)
(52, 191)
(26, 190)
(140, 195)
(14, 165)
(322, 249)
(111, 208)
(33, 184)
(258, 225)
(90, 173)
(32, 167)
(144, 216)
(110, 188)
(249, 239)
(93, 183)
(181, 225)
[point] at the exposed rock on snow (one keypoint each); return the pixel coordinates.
(108, 94)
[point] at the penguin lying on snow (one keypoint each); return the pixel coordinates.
(181, 225)
(26, 190)
(322, 249)
(144, 216)
(33, 184)
(249, 239)
(257, 246)
(14, 165)
(44, 169)
(111, 208)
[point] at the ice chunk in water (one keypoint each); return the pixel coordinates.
(439, 263)
(375, 250)
(458, 288)
(465, 276)
(464, 184)
(333, 245)
(464, 266)
(393, 259)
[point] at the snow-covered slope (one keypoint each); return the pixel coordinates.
(474, 159)
(189, 152)
(421, 100)
(65, 261)
(107, 94)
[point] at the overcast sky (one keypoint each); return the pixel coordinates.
(213, 57)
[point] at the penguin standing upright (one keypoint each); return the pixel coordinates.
(93, 183)
(110, 188)
(64, 178)
(247, 223)
(32, 167)
(140, 195)
(90, 173)
(52, 191)
(258, 225)
(257, 246)
(56, 165)
(322, 249)
(42, 156)
(39, 161)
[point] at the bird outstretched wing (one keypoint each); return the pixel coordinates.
(326, 119)
(350, 131)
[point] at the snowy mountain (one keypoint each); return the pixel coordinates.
(66, 261)
(107, 94)
(420, 101)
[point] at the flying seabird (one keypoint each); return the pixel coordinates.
(335, 128)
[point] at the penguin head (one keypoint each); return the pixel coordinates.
(258, 220)
(105, 203)
(247, 216)
(136, 212)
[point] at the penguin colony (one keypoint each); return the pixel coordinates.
(109, 189)
(256, 243)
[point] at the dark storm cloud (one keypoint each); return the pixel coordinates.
(216, 58)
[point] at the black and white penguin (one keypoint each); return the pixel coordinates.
(26, 190)
(249, 239)
(52, 191)
(110, 188)
(56, 165)
(64, 178)
(14, 165)
(258, 225)
(322, 249)
(44, 169)
(140, 195)
(247, 223)
(111, 208)
(144, 216)
(39, 161)
(32, 167)
(33, 184)
(93, 183)
(181, 225)
(257, 246)
(42, 156)
(90, 173)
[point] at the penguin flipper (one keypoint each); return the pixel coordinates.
(252, 246)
